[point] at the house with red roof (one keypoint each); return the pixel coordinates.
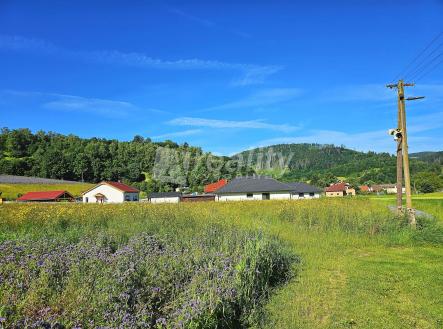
(211, 188)
(339, 190)
(47, 196)
(111, 192)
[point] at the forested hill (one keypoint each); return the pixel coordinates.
(163, 166)
(431, 157)
(322, 164)
(151, 166)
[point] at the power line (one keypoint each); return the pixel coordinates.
(422, 65)
(429, 71)
(418, 56)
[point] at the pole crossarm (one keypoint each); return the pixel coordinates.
(414, 98)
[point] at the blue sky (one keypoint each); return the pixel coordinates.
(226, 76)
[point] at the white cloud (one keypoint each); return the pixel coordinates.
(183, 133)
(90, 105)
(210, 123)
(260, 99)
(206, 23)
(251, 74)
(72, 103)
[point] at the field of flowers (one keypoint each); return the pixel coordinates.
(69, 266)
(328, 263)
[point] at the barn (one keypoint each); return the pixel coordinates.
(47, 196)
(111, 192)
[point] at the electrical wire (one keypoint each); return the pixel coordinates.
(429, 71)
(423, 64)
(406, 69)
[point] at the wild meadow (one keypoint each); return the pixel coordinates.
(340, 263)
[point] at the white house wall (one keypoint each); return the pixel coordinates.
(165, 200)
(305, 196)
(258, 196)
(112, 194)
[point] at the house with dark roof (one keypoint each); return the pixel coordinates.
(111, 192)
(47, 196)
(164, 197)
(264, 188)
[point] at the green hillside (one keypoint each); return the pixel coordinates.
(431, 157)
(322, 164)
(150, 166)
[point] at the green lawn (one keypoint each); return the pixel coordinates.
(11, 191)
(431, 203)
(360, 267)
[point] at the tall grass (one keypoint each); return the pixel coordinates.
(219, 264)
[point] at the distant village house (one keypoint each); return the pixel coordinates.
(339, 190)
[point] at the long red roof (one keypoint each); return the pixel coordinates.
(210, 188)
(122, 187)
(44, 195)
(336, 187)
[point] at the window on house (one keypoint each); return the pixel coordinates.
(127, 198)
(135, 198)
(249, 195)
(301, 195)
(311, 194)
(86, 199)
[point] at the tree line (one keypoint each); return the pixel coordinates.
(151, 166)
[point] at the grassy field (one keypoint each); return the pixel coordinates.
(10, 191)
(431, 203)
(359, 267)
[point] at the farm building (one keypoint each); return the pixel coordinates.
(164, 197)
(388, 188)
(339, 190)
(111, 192)
(264, 188)
(211, 188)
(47, 196)
(197, 198)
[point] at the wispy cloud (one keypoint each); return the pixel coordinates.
(251, 74)
(72, 103)
(183, 133)
(260, 99)
(376, 140)
(206, 22)
(423, 123)
(211, 123)
(90, 105)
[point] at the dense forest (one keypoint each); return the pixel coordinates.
(163, 166)
(150, 166)
(431, 157)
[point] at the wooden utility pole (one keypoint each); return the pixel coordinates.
(404, 138)
(399, 162)
(402, 143)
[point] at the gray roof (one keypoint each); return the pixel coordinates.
(264, 184)
(155, 195)
(304, 188)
